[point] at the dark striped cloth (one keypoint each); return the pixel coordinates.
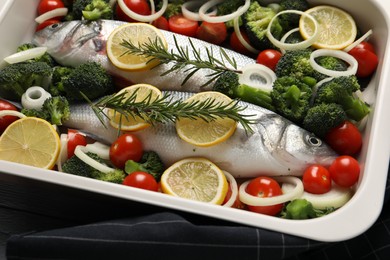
(173, 235)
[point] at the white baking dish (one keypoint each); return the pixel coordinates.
(17, 26)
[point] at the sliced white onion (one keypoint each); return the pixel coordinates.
(336, 197)
(355, 43)
(223, 18)
(268, 201)
(25, 55)
(193, 5)
(257, 76)
(102, 150)
(353, 64)
(142, 18)
(63, 156)
(11, 113)
(81, 151)
(34, 97)
(58, 12)
(234, 187)
(241, 38)
(286, 35)
(293, 46)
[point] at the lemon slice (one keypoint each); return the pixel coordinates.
(138, 34)
(201, 133)
(31, 141)
(133, 123)
(196, 179)
(337, 29)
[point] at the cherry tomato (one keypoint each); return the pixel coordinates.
(126, 147)
(161, 23)
(366, 45)
(236, 45)
(345, 139)
(46, 23)
(45, 6)
(137, 6)
(316, 179)
(264, 187)
(367, 61)
(269, 58)
(180, 24)
(215, 33)
(74, 139)
(141, 180)
(5, 121)
(345, 171)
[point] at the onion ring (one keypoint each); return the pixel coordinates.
(102, 150)
(185, 9)
(241, 38)
(25, 55)
(355, 43)
(142, 18)
(81, 151)
(253, 70)
(58, 12)
(352, 69)
(34, 97)
(223, 18)
(234, 187)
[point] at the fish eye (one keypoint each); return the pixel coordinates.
(54, 25)
(314, 141)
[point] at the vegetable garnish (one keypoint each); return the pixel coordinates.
(59, 12)
(143, 18)
(26, 55)
(224, 18)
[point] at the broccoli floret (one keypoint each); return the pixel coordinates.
(89, 78)
(36, 113)
(98, 9)
(256, 20)
(78, 167)
(150, 162)
(228, 7)
(16, 78)
(290, 20)
(173, 8)
(297, 64)
(229, 85)
(44, 58)
(332, 63)
(303, 209)
(340, 90)
(323, 117)
(291, 98)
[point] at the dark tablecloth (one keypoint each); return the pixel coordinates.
(176, 235)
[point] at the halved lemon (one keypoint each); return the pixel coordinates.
(337, 28)
(201, 133)
(137, 34)
(31, 141)
(133, 123)
(196, 179)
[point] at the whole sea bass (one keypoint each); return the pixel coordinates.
(76, 42)
(276, 147)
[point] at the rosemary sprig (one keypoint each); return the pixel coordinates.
(166, 109)
(182, 60)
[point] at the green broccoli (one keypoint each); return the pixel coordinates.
(291, 98)
(290, 21)
(341, 90)
(303, 209)
(44, 58)
(76, 166)
(54, 110)
(150, 163)
(228, 7)
(332, 63)
(98, 9)
(90, 79)
(256, 20)
(228, 84)
(16, 78)
(173, 8)
(323, 117)
(297, 64)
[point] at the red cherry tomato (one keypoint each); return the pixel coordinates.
(366, 45)
(46, 23)
(126, 147)
(74, 139)
(215, 33)
(180, 24)
(269, 58)
(345, 139)
(45, 6)
(236, 45)
(137, 6)
(367, 61)
(316, 179)
(5, 121)
(161, 23)
(264, 187)
(141, 180)
(345, 171)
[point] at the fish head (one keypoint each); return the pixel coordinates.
(301, 148)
